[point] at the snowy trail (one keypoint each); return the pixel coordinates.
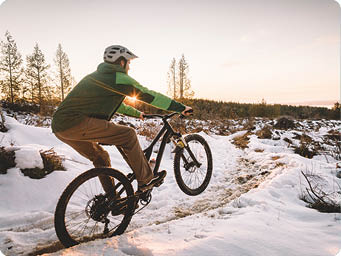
(252, 200)
(165, 206)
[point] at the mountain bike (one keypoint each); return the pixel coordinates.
(85, 212)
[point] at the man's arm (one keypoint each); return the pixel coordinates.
(128, 86)
(128, 110)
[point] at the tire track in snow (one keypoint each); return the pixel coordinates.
(235, 175)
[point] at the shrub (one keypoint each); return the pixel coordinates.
(316, 196)
(284, 123)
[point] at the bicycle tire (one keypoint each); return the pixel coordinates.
(62, 229)
(178, 166)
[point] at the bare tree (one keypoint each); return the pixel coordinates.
(184, 81)
(172, 81)
(63, 72)
(11, 68)
(179, 84)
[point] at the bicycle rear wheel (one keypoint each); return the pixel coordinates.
(84, 211)
(193, 165)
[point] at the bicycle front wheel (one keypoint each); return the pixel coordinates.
(193, 165)
(84, 212)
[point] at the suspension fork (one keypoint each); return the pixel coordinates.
(194, 159)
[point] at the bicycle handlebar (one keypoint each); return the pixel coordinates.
(165, 117)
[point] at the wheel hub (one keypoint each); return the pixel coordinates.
(97, 208)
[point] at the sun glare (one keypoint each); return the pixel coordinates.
(132, 99)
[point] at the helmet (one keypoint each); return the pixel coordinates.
(112, 53)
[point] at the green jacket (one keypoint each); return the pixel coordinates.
(101, 94)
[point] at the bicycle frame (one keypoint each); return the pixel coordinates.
(167, 132)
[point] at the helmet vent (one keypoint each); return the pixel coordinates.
(112, 52)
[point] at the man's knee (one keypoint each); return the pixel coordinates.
(131, 133)
(102, 159)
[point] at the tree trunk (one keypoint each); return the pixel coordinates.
(61, 77)
(39, 86)
(10, 76)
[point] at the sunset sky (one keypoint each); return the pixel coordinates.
(285, 51)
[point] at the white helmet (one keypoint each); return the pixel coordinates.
(112, 53)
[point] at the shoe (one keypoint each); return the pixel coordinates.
(155, 182)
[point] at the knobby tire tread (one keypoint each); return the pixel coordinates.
(177, 171)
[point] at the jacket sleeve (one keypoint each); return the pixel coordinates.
(128, 86)
(128, 110)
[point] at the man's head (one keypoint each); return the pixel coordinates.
(117, 54)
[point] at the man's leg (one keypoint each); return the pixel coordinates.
(97, 155)
(102, 131)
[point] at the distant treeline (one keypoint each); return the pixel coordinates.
(210, 109)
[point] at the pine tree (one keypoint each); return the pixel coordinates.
(185, 90)
(10, 68)
(36, 73)
(63, 72)
(172, 81)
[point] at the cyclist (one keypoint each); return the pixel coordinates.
(82, 120)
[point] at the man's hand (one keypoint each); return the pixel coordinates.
(141, 116)
(188, 111)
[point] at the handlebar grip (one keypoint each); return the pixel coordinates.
(189, 111)
(147, 116)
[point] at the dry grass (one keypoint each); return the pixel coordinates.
(242, 141)
(264, 133)
(149, 130)
(51, 163)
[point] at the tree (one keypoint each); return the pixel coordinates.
(172, 82)
(63, 71)
(36, 73)
(184, 82)
(11, 68)
(179, 84)
(337, 111)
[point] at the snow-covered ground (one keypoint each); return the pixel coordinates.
(252, 205)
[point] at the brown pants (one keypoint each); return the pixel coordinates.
(85, 136)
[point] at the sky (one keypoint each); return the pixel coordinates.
(282, 51)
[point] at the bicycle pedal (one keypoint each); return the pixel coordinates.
(145, 197)
(158, 184)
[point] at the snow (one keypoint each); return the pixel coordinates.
(251, 207)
